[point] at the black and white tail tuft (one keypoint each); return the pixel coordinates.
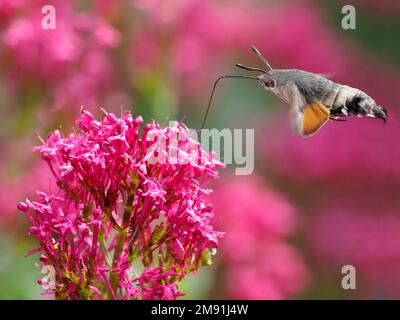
(379, 112)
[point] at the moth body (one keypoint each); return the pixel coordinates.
(315, 99)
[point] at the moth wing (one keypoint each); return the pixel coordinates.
(308, 120)
(326, 75)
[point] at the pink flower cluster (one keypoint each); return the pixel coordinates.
(114, 207)
(258, 262)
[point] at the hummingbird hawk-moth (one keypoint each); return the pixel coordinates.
(313, 98)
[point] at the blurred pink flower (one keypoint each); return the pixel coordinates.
(383, 5)
(85, 88)
(278, 272)
(9, 8)
(49, 63)
(113, 198)
(145, 49)
(365, 234)
(40, 53)
(162, 12)
(258, 262)
(354, 151)
(15, 189)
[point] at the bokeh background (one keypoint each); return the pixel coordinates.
(311, 206)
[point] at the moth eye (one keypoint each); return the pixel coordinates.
(271, 83)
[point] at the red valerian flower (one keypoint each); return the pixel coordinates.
(125, 198)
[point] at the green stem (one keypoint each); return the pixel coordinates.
(104, 248)
(121, 239)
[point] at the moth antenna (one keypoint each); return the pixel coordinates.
(259, 54)
(239, 65)
(215, 85)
